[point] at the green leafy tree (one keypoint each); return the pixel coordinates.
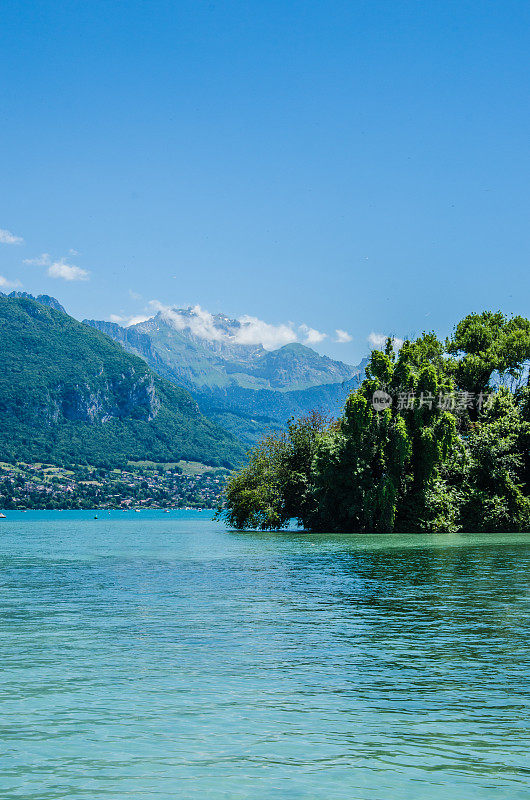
(377, 470)
(276, 484)
(489, 343)
(495, 491)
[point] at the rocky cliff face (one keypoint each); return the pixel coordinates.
(132, 396)
(131, 338)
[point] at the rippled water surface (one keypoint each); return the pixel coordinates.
(158, 656)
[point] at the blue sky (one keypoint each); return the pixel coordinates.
(361, 166)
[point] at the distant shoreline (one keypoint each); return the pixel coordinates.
(7, 511)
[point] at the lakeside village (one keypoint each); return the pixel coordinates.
(139, 485)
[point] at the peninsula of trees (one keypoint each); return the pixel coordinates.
(436, 438)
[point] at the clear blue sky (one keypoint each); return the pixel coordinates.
(348, 165)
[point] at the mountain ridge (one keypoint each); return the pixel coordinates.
(244, 387)
(218, 359)
(70, 393)
(43, 299)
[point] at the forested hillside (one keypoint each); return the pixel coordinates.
(68, 394)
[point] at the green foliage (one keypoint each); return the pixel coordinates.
(413, 466)
(487, 343)
(384, 462)
(496, 495)
(276, 483)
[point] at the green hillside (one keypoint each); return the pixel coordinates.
(69, 394)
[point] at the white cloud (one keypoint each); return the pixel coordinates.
(200, 322)
(343, 337)
(255, 331)
(59, 268)
(128, 321)
(68, 272)
(248, 330)
(311, 335)
(43, 260)
(5, 284)
(6, 237)
(135, 320)
(377, 340)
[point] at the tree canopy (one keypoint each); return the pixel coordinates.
(432, 440)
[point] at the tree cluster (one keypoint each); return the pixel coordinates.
(449, 451)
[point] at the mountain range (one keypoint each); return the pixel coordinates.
(70, 394)
(244, 387)
(177, 386)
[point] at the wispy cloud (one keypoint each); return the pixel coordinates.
(39, 261)
(343, 337)
(200, 322)
(246, 330)
(136, 319)
(6, 237)
(128, 321)
(377, 340)
(255, 331)
(6, 284)
(311, 335)
(68, 272)
(59, 268)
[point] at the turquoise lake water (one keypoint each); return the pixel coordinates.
(159, 656)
